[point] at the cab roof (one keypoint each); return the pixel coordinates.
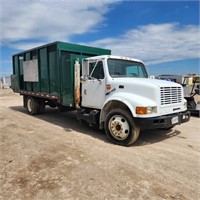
(113, 57)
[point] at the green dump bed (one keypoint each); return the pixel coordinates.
(48, 71)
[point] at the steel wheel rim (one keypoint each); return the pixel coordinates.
(119, 127)
(29, 105)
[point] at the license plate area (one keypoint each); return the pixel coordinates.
(174, 120)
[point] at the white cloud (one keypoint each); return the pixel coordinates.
(48, 20)
(26, 24)
(22, 46)
(156, 43)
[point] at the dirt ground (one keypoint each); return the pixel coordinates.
(52, 156)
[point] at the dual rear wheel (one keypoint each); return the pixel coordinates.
(35, 105)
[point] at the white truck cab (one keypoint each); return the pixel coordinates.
(117, 94)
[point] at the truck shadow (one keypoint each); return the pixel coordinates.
(68, 121)
(154, 136)
(65, 120)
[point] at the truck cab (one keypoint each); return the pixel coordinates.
(117, 94)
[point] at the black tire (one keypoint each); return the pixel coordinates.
(52, 103)
(192, 105)
(32, 105)
(120, 127)
(41, 108)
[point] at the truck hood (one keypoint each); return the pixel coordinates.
(143, 82)
(143, 87)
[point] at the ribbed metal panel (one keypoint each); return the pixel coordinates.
(170, 95)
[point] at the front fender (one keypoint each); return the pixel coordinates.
(129, 100)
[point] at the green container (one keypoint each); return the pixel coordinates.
(55, 69)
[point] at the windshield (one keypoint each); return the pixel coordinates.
(126, 68)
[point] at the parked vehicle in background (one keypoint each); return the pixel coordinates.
(171, 77)
(5, 82)
(112, 92)
(192, 105)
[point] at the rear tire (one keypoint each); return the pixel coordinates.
(120, 127)
(51, 103)
(32, 105)
(41, 108)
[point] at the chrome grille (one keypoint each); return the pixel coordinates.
(170, 95)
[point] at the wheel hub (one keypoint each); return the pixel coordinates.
(29, 105)
(119, 127)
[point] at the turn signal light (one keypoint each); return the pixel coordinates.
(141, 110)
(146, 110)
(108, 87)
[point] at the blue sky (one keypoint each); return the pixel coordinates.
(164, 34)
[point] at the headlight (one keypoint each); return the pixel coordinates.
(185, 105)
(146, 110)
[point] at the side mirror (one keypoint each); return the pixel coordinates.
(83, 78)
(86, 77)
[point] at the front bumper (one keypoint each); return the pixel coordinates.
(166, 121)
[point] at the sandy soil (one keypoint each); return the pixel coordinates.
(52, 156)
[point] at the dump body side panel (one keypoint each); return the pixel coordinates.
(55, 68)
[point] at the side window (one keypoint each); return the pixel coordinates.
(96, 70)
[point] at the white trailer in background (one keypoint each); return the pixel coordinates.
(5, 82)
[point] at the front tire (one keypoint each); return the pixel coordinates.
(120, 127)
